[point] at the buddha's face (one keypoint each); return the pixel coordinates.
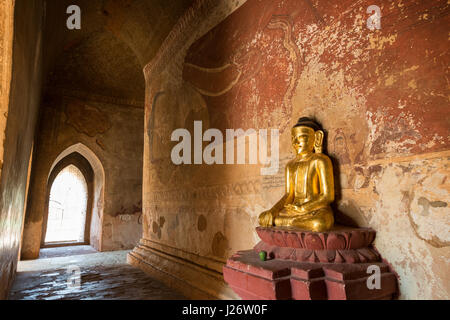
(303, 139)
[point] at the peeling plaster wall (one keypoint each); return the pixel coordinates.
(20, 95)
(381, 95)
(113, 133)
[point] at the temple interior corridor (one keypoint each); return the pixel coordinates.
(224, 149)
(103, 276)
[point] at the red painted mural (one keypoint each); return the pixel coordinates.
(252, 66)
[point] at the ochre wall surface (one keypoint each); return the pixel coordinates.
(18, 121)
(381, 95)
(6, 40)
(113, 133)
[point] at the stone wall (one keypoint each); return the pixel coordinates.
(6, 40)
(20, 81)
(380, 94)
(110, 134)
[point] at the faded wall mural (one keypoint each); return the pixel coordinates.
(381, 94)
(111, 134)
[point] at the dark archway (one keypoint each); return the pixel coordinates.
(82, 164)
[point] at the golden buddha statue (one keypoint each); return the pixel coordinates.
(309, 184)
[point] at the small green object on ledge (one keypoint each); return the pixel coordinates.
(262, 255)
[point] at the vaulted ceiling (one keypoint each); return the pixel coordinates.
(117, 39)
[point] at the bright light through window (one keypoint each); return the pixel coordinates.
(67, 207)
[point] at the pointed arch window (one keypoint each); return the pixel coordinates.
(67, 207)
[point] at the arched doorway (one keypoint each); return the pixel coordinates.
(67, 207)
(69, 202)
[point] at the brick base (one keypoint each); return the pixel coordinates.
(288, 278)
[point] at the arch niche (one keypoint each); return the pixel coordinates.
(91, 168)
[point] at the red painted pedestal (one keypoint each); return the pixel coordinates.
(304, 265)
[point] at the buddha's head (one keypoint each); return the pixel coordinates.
(307, 136)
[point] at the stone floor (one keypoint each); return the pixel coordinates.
(65, 251)
(103, 275)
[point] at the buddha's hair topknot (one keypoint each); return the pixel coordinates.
(308, 122)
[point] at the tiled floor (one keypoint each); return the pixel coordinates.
(103, 275)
